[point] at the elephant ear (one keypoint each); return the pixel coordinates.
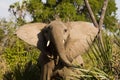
(29, 32)
(82, 34)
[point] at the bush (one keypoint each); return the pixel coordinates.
(104, 60)
(21, 59)
(20, 52)
(29, 72)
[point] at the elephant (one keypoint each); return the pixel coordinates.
(61, 44)
(71, 39)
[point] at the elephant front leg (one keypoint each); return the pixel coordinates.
(46, 70)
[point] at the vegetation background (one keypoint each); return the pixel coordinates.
(18, 60)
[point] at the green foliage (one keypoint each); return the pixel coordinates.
(100, 66)
(29, 72)
(66, 13)
(18, 11)
(117, 41)
(69, 10)
(104, 60)
(21, 57)
(47, 12)
(51, 3)
(110, 17)
(3, 66)
(35, 7)
(1, 34)
(19, 52)
(102, 54)
(116, 56)
(92, 74)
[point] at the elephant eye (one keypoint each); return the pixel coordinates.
(65, 30)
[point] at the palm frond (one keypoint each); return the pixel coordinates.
(102, 54)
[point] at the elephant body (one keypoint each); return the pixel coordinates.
(61, 45)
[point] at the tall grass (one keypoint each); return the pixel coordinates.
(105, 63)
(117, 40)
(29, 72)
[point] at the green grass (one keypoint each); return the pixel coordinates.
(102, 62)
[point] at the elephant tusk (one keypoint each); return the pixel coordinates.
(48, 43)
(63, 41)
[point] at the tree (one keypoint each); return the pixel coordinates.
(70, 10)
(19, 12)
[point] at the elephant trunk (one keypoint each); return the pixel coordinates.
(59, 45)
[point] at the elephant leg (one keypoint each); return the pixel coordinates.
(46, 72)
(46, 66)
(43, 73)
(50, 66)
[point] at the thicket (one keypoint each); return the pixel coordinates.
(21, 59)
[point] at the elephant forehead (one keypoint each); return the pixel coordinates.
(57, 25)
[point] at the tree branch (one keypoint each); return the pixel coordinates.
(102, 19)
(91, 13)
(103, 14)
(103, 10)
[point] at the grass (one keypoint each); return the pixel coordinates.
(102, 62)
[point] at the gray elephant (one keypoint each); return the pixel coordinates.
(61, 44)
(71, 39)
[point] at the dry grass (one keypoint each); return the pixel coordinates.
(3, 66)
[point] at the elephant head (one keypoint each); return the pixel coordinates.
(71, 39)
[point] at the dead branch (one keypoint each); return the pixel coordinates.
(103, 14)
(91, 13)
(102, 19)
